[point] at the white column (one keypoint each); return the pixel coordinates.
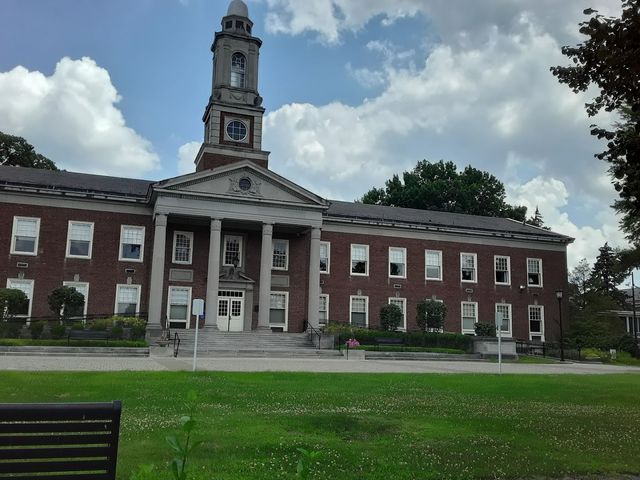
(314, 279)
(266, 259)
(213, 273)
(157, 270)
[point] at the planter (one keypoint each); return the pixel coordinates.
(488, 346)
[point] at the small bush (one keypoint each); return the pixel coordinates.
(36, 329)
(58, 331)
(628, 345)
(77, 326)
(485, 330)
(10, 329)
(101, 324)
(117, 332)
(390, 317)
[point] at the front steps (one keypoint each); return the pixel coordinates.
(258, 343)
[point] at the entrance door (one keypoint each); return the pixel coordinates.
(231, 311)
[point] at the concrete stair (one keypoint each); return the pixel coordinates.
(258, 343)
(75, 351)
(374, 355)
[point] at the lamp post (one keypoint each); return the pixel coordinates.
(559, 297)
(633, 300)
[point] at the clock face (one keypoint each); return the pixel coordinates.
(237, 130)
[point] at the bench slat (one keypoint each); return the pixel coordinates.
(55, 440)
(58, 453)
(98, 426)
(72, 465)
(53, 411)
(71, 476)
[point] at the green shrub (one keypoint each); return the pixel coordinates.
(65, 302)
(390, 317)
(628, 345)
(485, 329)
(595, 354)
(58, 331)
(116, 332)
(36, 329)
(10, 329)
(431, 315)
(101, 324)
(77, 326)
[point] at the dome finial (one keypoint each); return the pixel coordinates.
(238, 8)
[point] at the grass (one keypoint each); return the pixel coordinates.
(535, 359)
(23, 342)
(373, 426)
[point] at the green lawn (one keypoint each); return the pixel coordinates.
(367, 426)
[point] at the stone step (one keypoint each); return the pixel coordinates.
(373, 355)
(264, 353)
(75, 351)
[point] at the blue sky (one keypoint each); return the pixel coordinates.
(355, 91)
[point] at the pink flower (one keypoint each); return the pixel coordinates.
(352, 343)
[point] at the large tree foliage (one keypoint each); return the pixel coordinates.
(439, 186)
(605, 277)
(610, 59)
(66, 302)
(18, 152)
(12, 302)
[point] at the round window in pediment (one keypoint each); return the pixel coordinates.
(245, 184)
(236, 130)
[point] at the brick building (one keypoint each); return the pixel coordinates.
(263, 251)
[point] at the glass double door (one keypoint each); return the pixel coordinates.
(231, 311)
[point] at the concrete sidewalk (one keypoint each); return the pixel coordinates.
(233, 364)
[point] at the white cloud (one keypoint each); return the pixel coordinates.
(72, 118)
(186, 156)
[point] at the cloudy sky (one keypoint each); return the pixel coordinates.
(355, 91)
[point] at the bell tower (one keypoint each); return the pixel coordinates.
(233, 116)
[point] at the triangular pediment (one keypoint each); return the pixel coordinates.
(241, 181)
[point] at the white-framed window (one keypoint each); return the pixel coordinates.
(127, 300)
(505, 310)
(534, 272)
(26, 286)
(536, 322)
(182, 247)
(83, 288)
(279, 310)
(397, 262)
(232, 252)
(79, 239)
(280, 259)
(359, 259)
(323, 309)
(179, 305)
(502, 269)
(359, 311)
(131, 243)
(325, 257)
(468, 267)
(238, 69)
(402, 304)
(433, 264)
(469, 311)
(25, 234)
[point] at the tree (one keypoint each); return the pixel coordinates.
(579, 284)
(390, 317)
(12, 302)
(431, 315)
(18, 152)
(605, 277)
(66, 302)
(439, 186)
(610, 59)
(537, 220)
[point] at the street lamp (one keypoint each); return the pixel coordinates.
(559, 297)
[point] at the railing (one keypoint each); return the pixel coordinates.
(176, 344)
(546, 349)
(312, 331)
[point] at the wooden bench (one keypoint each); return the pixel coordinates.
(88, 335)
(389, 341)
(43, 440)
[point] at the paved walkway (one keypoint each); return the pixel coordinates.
(158, 363)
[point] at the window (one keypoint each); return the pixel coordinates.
(325, 255)
(79, 239)
(502, 270)
(26, 286)
(536, 322)
(131, 243)
(83, 288)
(433, 264)
(280, 254)
(232, 254)
(238, 67)
(179, 305)
(402, 304)
(359, 311)
(24, 239)
(359, 259)
(397, 262)
(237, 131)
(182, 247)
(323, 310)
(469, 317)
(468, 267)
(278, 309)
(127, 299)
(534, 272)
(505, 310)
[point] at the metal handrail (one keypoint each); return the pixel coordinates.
(176, 344)
(314, 332)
